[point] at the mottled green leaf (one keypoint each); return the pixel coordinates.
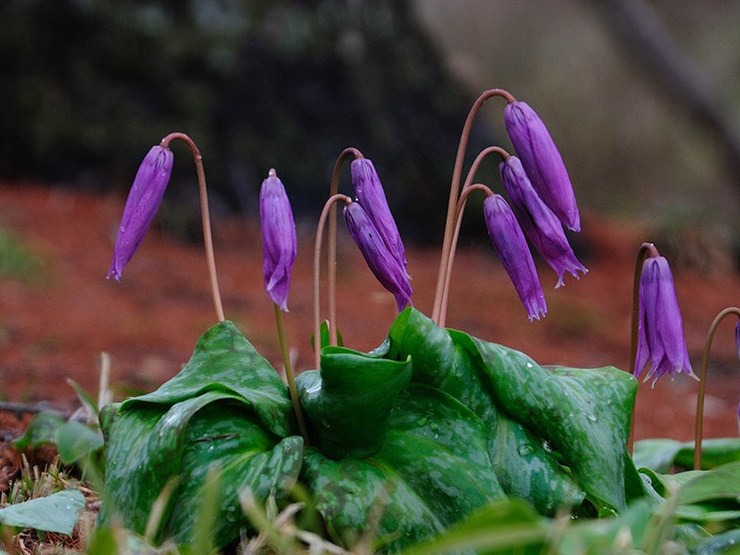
(40, 431)
(58, 512)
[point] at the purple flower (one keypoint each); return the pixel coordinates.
(381, 262)
(141, 206)
(372, 198)
(660, 342)
(279, 244)
(542, 162)
(539, 222)
(509, 241)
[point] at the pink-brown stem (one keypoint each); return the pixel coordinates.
(646, 250)
(458, 222)
(205, 217)
(331, 247)
(455, 191)
(699, 424)
(329, 207)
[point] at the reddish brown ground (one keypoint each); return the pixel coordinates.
(56, 326)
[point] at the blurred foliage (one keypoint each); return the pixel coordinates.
(88, 85)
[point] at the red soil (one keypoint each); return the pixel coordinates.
(56, 326)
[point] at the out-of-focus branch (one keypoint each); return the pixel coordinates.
(648, 42)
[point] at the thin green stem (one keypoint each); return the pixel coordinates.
(458, 222)
(205, 217)
(331, 246)
(455, 190)
(325, 213)
(699, 427)
(285, 353)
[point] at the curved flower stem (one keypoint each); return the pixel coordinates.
(329, 207)
(646, 250)
(455, 190)
(698, 429)
(285, 352)
(331, 246)
(467, 190)
(458, 222)
(205, 217)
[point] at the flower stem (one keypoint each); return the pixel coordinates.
(455, 190)
(205, 217)
(331, 246)
(699, 428)
(646, 250)
(329, 209)
(458, 222)
(282, 336)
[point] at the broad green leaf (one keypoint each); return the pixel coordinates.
(40, 431)
(58, 512)
(720, 483)
(225, 361)
(432, 470)
(350, 399)
(509, 526)
(75, 440)
(663, 454)
(228, 408)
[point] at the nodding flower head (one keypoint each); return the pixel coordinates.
(386, 267)
(509, 241)
(539, 222)
(661, 346)
(542, 162)
(371, 196)
(141, 206)
(279, 243)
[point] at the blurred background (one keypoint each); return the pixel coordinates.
(641, 96)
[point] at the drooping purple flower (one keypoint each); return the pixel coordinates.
(661, 346)
(372, 197)
(540, 224)
(542, 162)
(509, 241)
(143, 201)
(386, 267)
(279, 243)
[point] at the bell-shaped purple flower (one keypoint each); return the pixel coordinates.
(141, 206)
(371, 196)
(509, 241)
(385, 266)
(661, 346)
(279, 243)
(540, 224)
(542, 162)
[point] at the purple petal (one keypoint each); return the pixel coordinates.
(386, 268)
(539, 222)
(279, 242)
(372, 197)
(142, 204)
(661, 342)
(509, 241)
(542, 162)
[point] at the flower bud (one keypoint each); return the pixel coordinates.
(509, 241)
(542, 162)
(539, 222)
(372, 197)
(279, 243)
(386, 267)
(142, 204)
(661, 345)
